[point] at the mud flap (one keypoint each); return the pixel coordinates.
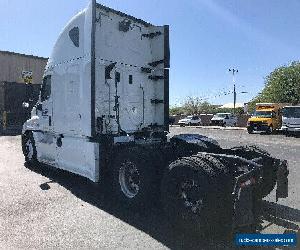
(243, 207)
(282, 180)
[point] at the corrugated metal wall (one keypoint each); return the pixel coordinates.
(12, 64)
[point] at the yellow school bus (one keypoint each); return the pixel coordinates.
(267, 117)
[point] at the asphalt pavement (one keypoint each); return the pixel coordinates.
(45, 209)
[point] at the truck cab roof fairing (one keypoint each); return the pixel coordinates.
(70, 68)
(64, 49)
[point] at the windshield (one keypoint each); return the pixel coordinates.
(221, 115)
(265, 114)
(189, 117)
(291, 112)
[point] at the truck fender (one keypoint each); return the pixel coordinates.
(200, 140)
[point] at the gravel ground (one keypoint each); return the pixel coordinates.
(44, 208)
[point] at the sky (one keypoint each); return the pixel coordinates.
(207, 37)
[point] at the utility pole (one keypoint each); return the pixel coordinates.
(234, 71)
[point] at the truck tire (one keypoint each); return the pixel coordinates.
(29, 149)
(196, 194)
(250, 130)
(132, 177)
(270, 130)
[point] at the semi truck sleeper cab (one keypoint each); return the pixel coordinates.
(103, 113)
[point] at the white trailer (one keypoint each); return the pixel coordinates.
(103, 114)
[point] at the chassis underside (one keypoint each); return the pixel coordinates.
(198, 183)
(253, 173)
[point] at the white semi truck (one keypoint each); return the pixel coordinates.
(103, 114)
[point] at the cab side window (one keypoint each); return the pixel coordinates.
(46, 88)
(74, 36)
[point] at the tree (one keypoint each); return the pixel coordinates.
(192, 105)
(282, 85)
(176, 110)
(195, 105)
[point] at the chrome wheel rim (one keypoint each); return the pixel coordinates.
(129, 179)
(190, 196)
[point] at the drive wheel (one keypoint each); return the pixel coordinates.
(132, 177)
(195, 195)
(270, 130)
(29, 149)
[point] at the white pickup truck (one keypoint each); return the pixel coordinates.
(190, 120)
(224, 119)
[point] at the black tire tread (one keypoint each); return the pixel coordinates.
(218, 189)
(34, 160)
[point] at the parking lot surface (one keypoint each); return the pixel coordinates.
(42, 209)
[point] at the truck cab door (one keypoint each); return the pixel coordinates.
(46, 143)
(46, 107)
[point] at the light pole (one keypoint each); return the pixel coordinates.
(234, 71)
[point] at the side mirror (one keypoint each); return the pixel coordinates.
(117, 76)
(25, 105)
(39, 107)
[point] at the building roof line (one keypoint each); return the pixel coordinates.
(20, 54)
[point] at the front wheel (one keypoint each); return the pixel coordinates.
(250, 130)
(270, 130)
(29, 148)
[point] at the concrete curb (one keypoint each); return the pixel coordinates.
(211, 127)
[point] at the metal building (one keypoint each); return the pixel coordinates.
(14, 65)
(20, 79)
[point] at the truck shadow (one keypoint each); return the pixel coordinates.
(13, 133)
(272, 209)
(283, 216)
(152, 220)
